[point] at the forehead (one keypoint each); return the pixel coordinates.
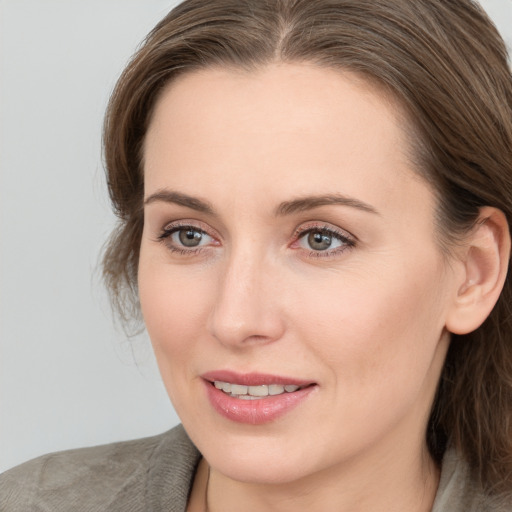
(296, 128)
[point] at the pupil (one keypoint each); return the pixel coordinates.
(319, 241)
(190, 238)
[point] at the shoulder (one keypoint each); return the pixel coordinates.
(459, 493)
(121, 476)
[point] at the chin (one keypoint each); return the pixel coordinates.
(270, 456)
(260, 469)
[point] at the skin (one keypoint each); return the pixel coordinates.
(366, 320)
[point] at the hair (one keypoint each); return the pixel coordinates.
(446, 64)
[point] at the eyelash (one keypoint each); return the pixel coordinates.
(167, 232)
(347, 241)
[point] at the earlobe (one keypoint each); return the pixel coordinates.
(485, 259)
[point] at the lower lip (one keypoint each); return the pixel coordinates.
(255, 412)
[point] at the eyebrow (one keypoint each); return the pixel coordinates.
(298, 205)
(169, 196)
(303, 204)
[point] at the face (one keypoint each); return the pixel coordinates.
(289, 242)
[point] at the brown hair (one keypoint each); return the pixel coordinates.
(447, 65)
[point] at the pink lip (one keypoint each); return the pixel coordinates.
(252, 379)
(254, 412)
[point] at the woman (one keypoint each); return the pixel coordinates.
(314, 203)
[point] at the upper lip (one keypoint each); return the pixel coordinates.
(252, 379)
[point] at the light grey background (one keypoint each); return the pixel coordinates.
(67, 376)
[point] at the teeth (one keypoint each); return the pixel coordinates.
(236, 389)
(258, 390)
(226, 387)
(254, 392)
(275, 389)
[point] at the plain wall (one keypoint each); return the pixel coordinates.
(68, 378)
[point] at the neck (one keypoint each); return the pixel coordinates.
(389, 483)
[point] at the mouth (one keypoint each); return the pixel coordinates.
(255, 398)
(256, 392)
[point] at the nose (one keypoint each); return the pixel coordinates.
(246, 311)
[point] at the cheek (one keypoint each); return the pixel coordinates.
(377, 338)
(175, 305)
(377, 327)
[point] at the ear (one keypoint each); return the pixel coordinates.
(485, 260)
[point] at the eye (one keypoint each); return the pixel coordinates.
(188, 237)
(320, 240)
(323, 241)
(184, 238)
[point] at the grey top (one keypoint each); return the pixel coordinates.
(155, 474)
(147, 475)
